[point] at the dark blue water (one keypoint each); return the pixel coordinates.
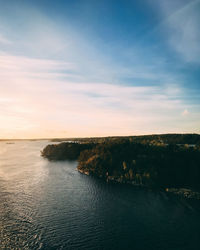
(49, 205)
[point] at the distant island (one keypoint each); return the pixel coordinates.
(169, 161)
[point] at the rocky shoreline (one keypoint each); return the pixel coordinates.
(184, 192)
(170, 168)
(181, 192)
(111, 178)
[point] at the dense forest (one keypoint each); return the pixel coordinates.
(64, 151)
(158, 161)
(150, 165)
(145, 139)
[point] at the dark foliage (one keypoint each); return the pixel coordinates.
(64, 151)
(145, 139)
(155, 160)
(169, 138)
(162, 166)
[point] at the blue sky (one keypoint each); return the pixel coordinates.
(97, 68)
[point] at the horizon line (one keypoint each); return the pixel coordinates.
(80, 137)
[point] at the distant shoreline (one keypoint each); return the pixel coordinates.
(54, 139)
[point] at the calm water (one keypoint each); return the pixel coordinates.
(49, 205)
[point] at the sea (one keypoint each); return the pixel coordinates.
(50, 205)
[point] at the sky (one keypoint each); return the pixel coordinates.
(99, 68)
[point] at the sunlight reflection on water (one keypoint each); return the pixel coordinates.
(49, 205)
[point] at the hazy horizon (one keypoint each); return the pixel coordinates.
(99, 68)
(82, 137)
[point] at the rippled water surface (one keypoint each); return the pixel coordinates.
(49, 205)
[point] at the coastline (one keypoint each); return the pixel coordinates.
(170, 168)
(180, 192)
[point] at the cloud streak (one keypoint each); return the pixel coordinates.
(4, 40)
(182, 28)
(55, 82)
(37, 105)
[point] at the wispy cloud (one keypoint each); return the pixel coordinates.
(4, 40)
(181, 25)
(82, 109)
(185, 112)
(56, 82)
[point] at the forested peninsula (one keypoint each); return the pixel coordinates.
(170, 162)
